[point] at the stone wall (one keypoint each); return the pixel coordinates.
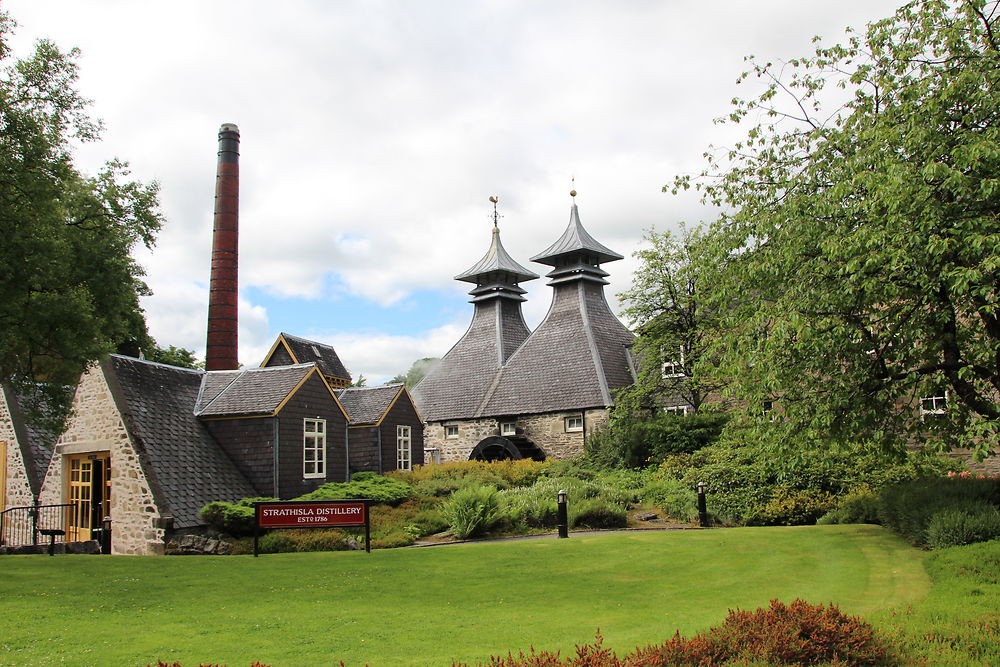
(18, 492)
(547, 431)
(97, 426)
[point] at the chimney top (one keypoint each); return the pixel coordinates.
(229, 127)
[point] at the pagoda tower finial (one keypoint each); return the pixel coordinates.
(496, 216)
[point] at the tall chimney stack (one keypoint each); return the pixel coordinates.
(222, 349)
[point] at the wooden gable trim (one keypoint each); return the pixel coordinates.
(392, 403)
(333, 395)
(281, 341)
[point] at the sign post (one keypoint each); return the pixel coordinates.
(311, 514)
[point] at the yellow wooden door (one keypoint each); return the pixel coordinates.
(89, 494)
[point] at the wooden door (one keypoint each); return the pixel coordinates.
(89, 493)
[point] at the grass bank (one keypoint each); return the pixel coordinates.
(432, 606)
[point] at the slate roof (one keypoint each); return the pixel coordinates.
(249, 392)
(35, 442)
(307, 351)
(575, 359)
(497, 261)
(186, 467)
(367, 405)
(457, 385)
(575, 241)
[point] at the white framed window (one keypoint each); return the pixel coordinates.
(451, 431)
(574, 424)
(314, 448)
(681, 410)
(404, 456)
(508, 428)
(673, 367)
(934, 407)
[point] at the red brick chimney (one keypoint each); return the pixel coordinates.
(221, 352)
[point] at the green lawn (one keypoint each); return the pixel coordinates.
(434, 605)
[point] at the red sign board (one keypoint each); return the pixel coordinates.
(312, 514)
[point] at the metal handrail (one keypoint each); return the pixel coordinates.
(15, 532)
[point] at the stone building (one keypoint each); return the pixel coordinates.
(503, 391)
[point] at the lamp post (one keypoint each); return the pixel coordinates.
(702, 510)
(563, 519)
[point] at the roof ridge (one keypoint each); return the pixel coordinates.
(157, 363)
(220, 393)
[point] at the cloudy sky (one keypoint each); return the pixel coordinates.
(373, 132)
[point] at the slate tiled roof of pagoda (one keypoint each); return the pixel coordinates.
(367, 405)
(187, 468)
(577, 357)
(457, 385)
(35, 442)
(574, 243)
(307, 351)
(249, 392)
(497, 261)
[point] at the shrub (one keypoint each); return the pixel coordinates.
(968, 523)
(397, 538)
(635, 441)
(596, 513)
(794, 507)
(382, 490)
(472, 510)
(236, 520)
(276, 542)
(857, 506)
(909, 508)
(454, 475)
(318, 539)
(676, 499)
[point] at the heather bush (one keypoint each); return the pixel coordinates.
(795, 507)
(536, 506)
(596, 513)
(910, 508)
(472, 510)
(965, 523)
(796, 634)
(442, 479)
(275, 542)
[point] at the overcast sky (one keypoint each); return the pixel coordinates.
(373, 133)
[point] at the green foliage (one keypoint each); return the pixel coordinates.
(964, 524)
(236, 520)
(384, 490)
(856, 506)
(589, 502)
(472, 510)
(596, 513)
(678, 500)
(668, 305)
(747, 484)
(961, 503)
(419, 369)
(856, 257)
(639, 439)
(443, 479)
(172, 356)
(69, 287)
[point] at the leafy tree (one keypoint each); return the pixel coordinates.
(667, 304)
(69, 288)
(361, 381)
(861, 238)
(174, 356)
(418, 370)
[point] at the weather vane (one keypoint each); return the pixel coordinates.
(572, 184)
(496, 216)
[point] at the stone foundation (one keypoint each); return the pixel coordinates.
(547, 431)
